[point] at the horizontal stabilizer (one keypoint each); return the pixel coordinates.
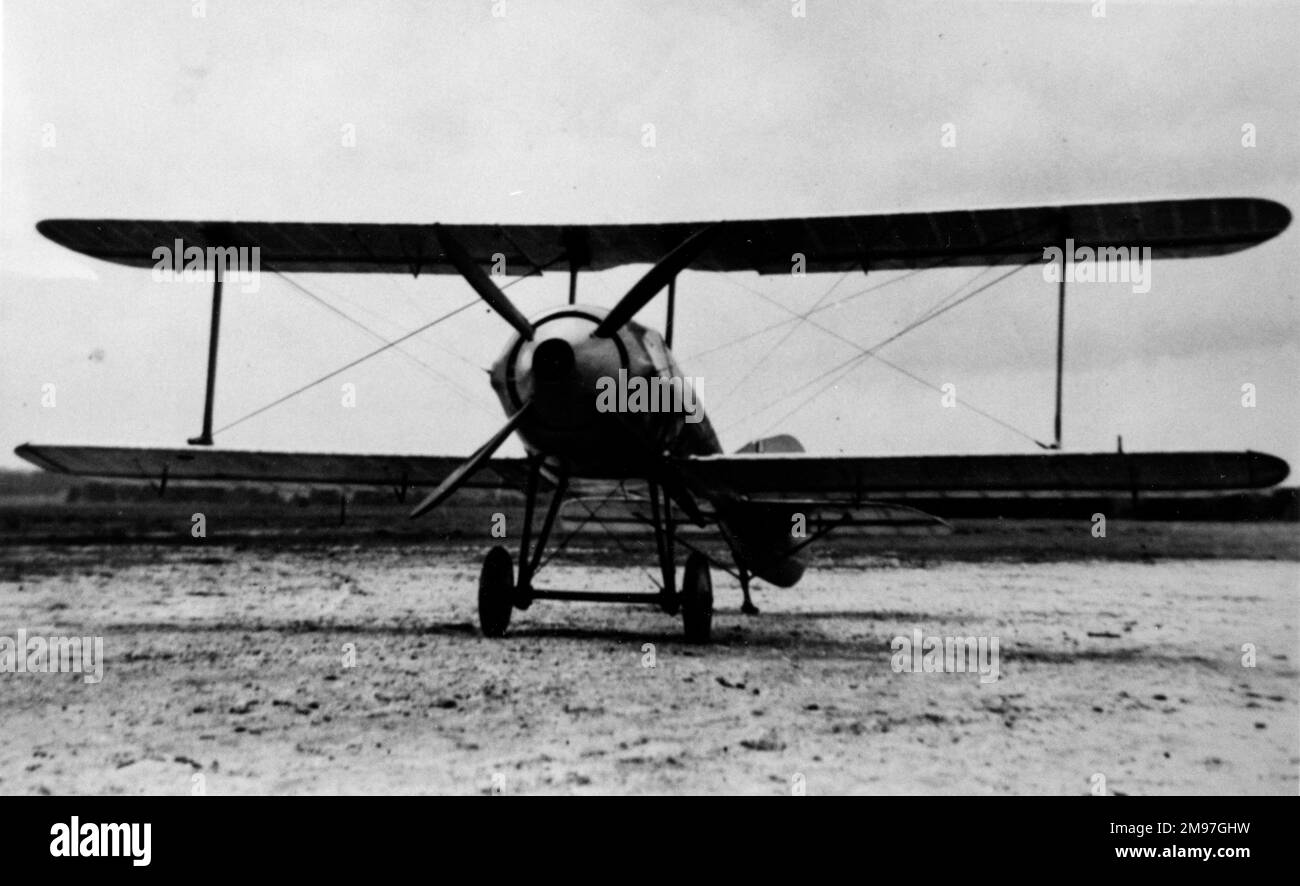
(779, 443)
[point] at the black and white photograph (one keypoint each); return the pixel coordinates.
(782, 398)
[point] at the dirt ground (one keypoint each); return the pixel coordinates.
(233, 662)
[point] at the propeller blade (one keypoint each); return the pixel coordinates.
(476, 277)
(656, 279)
(471, 466)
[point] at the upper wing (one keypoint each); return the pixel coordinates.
(144, 463)
(1172, 228)
(855, 479)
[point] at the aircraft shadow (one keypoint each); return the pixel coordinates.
(744, 638)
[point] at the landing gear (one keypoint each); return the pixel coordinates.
(748, 606)
(742, 574)
(697, 599)
(500, 590)
(496, 592)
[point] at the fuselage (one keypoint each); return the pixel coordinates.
(604, 406)
(612, 407)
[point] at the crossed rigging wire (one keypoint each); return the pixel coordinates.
(1020, 234)
(840, 370)
(593, 514)
(753, 367)
(797, 317)
(386, 345)
(942, 306)
(410, 302)
(431, 371)
(835, 373)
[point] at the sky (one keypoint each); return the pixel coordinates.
(526, 111)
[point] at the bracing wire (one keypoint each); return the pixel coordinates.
(358, 361)
(431, 371)
(842, 369)
(344, 368)
(1017, 235)
(803, 318)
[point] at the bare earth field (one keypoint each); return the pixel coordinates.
(227, 660)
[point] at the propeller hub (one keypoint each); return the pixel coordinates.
(553, 361)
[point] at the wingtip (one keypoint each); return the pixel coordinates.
(47, 227)
(31, 454)
(1279, 215)
(1268, 470)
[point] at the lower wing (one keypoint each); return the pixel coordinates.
(148, 463)
(854, 479)
(756, 478)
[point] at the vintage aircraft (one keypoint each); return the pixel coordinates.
(549, 377)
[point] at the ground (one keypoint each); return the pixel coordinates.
(234, 662)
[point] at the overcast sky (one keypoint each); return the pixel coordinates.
(145, 110)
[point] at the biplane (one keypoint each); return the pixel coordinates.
(549, 373)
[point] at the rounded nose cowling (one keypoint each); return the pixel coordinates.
(559, 370)
(562, 364)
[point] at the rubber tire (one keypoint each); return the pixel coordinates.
(697, 599)
(496, 590)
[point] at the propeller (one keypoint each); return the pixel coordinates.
(482, 283)
(656, 279)
(636, 298)
(471, 466)
(554, 358)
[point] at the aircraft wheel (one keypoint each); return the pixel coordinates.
(697, 599)
(496, 588)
